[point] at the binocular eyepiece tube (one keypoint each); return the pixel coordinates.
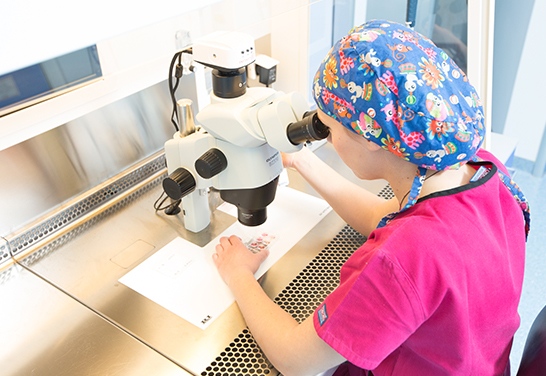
(308, 129)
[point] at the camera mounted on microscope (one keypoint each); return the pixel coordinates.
(228, 54)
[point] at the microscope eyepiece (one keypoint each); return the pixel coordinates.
(310, 128)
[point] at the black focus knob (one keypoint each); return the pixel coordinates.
(179, 183)
(211, 163)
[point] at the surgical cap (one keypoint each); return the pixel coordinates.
(394, 87)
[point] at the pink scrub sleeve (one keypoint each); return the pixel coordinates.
(385, 288)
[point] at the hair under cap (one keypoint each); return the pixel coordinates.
(393, 86)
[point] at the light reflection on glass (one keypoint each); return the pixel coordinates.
(36, 83)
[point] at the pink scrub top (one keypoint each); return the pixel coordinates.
(436, 291)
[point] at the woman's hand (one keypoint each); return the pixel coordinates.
(289, 160)
(233, 259)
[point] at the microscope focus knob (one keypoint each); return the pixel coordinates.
(211, 163)
(179, 183)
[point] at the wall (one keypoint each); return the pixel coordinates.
(509, 42)
(525, 119)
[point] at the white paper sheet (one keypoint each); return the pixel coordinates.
(182, 277)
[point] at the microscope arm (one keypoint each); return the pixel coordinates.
(275, 118)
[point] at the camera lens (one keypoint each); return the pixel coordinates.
(251, 203)
(310, 128)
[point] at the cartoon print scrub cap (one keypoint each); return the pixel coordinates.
(393, 86)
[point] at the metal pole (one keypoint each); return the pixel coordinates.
(411, 13)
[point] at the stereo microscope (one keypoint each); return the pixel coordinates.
(236, 146)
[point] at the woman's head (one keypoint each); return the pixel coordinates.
(394, 87)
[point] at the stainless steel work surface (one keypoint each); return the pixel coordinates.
(88, 262)
(46, 332)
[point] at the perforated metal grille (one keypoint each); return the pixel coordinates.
(300, 298)
(387, 192)
(49, 247)
(241, 357)
(4, 251)
(320, 277)
(73, 212)
(7, 274)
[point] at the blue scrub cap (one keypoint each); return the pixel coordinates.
(394, 87)
(397, 89)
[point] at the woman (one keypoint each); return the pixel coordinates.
(435, 288)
